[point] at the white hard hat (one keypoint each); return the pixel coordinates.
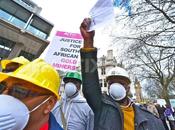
(118, 72)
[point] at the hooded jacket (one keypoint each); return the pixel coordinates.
(108, 114)
(77, 113)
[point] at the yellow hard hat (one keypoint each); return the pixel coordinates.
(20, 60)
(39, 73)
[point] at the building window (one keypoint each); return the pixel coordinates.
(101, 82)
(4, 15)
(17, 22)
(27, 55)
(10, 18)
(36, 32)
(105, 83)
(6, 47)
(25, 3)
(21, 24)
(103, 71)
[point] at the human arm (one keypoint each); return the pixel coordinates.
(91, 88)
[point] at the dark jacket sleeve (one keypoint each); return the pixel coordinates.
(91, 88)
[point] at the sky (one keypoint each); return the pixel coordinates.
(67, 15)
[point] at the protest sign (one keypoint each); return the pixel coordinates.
(64, 51)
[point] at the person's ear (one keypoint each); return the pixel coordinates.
(128, 89)
(50, 104)
(78, 86)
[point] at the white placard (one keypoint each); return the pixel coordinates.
(64, 50)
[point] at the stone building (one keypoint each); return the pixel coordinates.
(105, 63)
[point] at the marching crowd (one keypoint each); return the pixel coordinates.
(165, 112)
(30, 100)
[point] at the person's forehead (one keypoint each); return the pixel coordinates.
(72, 80)
(120, 80)
(117, 79)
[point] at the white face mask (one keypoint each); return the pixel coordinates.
(70, 89)
(117, 91)
(14, 114)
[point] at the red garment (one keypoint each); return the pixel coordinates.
(45, 126)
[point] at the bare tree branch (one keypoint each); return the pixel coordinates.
(164, 13)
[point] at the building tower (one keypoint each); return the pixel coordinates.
(138, 91)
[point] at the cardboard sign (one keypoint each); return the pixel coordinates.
(64, 51)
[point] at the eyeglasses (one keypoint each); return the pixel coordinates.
(19, 91)
(11, 67)
(8, 70)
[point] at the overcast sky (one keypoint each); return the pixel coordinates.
(66, 15)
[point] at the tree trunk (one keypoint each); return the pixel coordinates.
(165, 95)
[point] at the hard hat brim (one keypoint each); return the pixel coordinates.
(4, 63)
(4, 76)
(119, 76)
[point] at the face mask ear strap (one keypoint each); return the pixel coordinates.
(40, 104)
(75, 94)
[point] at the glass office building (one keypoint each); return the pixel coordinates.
(21, 24)
(22, 30)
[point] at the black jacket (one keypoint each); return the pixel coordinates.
(108, 115)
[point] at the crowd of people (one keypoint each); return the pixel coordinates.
(165, 112)
(30, 100)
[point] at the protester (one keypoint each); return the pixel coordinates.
(152, 108)
(145, 105)
(73, 110)
(169, 115)
(114, 111)
(13, 64)
(27, 97)
(161, 110)
(173, 112)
